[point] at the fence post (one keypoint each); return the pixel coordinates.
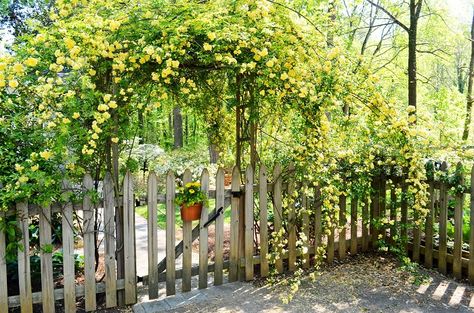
(170, 234)
(342, 224)
(89, 257)
(203, 234)
(471, 238)
(443, 218)
(234, 226)
(3, 270)
(277, 212)
(429, 228)
(249, 223)
(109, 236)
(129, 242)
(458, 222)
(152, 229)
(24, 275)
(47, 282)
(291, 220)
(219, 230)
(354, 222)
(263, 201)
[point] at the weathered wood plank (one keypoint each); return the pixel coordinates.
(249, 223)
(263, 203)
(46, 254)
(89, 245)
(382, 204)
(234, 226)
(3, 270)
(342, 224)
(471, 223)
(203, 235)
(277, 210)
(365, 226)
(404, 214)
(109, 237)
(187, 244)
(219, 230)
(429, 228)
(152, 230)
(292, 221)
(393, 213)
(416, 241)
(24, 276)
(170, 234)
(68, 259)
(443, 218)
(305, 221)
(354, 222)
(330, 247)
(129, 240)
(458, 223)
(317, 219)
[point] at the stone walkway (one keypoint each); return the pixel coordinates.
(361, 284)
(141, 240)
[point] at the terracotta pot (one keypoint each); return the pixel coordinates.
(191, 213)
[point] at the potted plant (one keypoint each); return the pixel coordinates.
(191, 199)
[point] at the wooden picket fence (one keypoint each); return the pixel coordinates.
(248, 251)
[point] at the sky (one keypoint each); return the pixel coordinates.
(460, 9)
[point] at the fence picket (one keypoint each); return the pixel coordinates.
(249, 223)
(3, 270)
(305, 220)
(24, 276)
(68, 259)
(354, 222)
(342, 224)
(203, 235)
(416, 238)
(393, 212)
(234, 226)
(429, 229)
(170, 235)
(187, 244)
(109, 237)
(404, 214)
(317, 220)
(471, 237)
(458, 222)
(382, 204)
(46, 254)
(263, 203)
(291, 221)
(365, 226)
(152, 229)
(219, 230)
(89, 245)
(277, 210)
(443, 218)
(129, 240)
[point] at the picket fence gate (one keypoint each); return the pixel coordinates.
(247, 254)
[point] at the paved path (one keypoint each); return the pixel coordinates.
(361, 284)
(141, 239)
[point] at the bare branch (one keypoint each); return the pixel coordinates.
(397, 21)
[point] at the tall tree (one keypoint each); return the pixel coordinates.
(412, 31)
(470, 100)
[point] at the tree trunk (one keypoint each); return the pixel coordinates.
(412, 33)
(470, 100)
(238, 122)
(177, 128)
(186, 130)
(213, 153)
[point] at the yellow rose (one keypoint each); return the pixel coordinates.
(212, 36)
(207, 47)
(46, 154)
(18, 68)
(31, 62)
(23, 179)
(76, 115)
(112, 104)
(13, 83)
(115, 140)
(34, 168)
(18, 167)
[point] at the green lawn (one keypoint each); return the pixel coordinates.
(143, 212)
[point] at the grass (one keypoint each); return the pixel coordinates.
(143, 212)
